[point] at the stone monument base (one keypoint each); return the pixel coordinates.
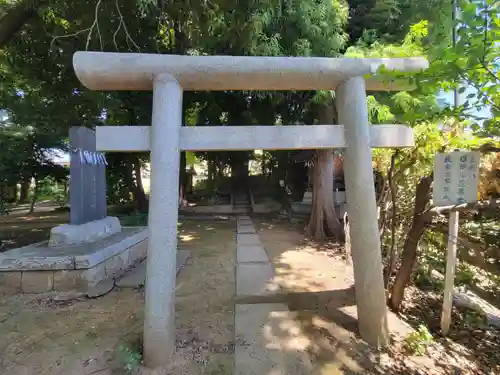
(71, 235)
(40, 268)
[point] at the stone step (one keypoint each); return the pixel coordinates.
(136, 277)
(269, 341)
(245, 210)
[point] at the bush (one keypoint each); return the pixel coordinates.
(129, 357)
(418, 341)
(135, 219)
(55, 192)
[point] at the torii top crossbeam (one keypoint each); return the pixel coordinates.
(135, 71)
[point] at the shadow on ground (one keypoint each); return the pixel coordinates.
(318, 289)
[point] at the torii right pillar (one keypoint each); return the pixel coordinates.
(362, 212)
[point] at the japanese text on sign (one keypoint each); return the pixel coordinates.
(456, 177)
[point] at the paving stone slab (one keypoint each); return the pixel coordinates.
(245, 228)
(247, 239)
(251, 254)
(255, 279)
(269, 341)
(244, 224)
(136, 277)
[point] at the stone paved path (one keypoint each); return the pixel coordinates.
(264, 342)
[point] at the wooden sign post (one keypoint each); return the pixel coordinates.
(456, 177)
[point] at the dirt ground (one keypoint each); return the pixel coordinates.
(20, 228)
(41, 335)
(320, 283)
(44, 336)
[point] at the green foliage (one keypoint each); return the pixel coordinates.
(418, 341)
(135, 219)
(129, 358)
(465, 275)
(473, 319)
(53, 191)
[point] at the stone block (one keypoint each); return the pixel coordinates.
(37, 281)
(255, 279)
(10, 282)
(136, 277)
(100, 288)
(246, 228)
(251, 253)
(110, 247)
(70, 235)
(138, 252)
(116, 265)
(95, 275)
(70, 280)
(34, 257)
(247, 239)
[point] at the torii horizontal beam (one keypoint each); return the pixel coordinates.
(213, 138)
(136, 71)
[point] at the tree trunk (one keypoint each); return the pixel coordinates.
(34, 198)
(220, 171)
(391, 263)
(410, 247)
(347, 245)
(25, 190)
(323, 221)
(15, 18)
(128, 194)
(65, 187)
(183, 176)
(210, 175)
(139, 196)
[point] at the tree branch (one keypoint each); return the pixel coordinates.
(392, 259)
(466, 207)
(16, 17)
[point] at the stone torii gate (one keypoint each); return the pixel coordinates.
(169, 75)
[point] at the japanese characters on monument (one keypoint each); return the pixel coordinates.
(456, 176)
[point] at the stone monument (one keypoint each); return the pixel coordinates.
(89, 253)
(88, 208)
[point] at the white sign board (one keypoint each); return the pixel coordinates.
(456, 177)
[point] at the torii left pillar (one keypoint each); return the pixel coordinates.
(159, 324)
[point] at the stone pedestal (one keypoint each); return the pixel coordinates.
(71, 235)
